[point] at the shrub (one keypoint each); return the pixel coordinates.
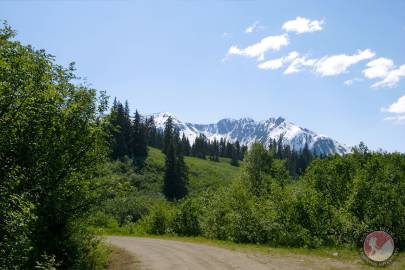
(159, 220)
(187, 218)
(235, 214)
(101, 219)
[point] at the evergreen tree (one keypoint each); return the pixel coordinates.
(151, 131)
(167, 134)
(119, 131)
(139, 149)
(279, 152)
(235, 157)
(229, 150)
(170, 176)
(303, 160)
(200, 147)
(222, 147)
(185, 145)
(243, 150)
(176, 172)
(126, 130)
(237, 150)
(214, 150)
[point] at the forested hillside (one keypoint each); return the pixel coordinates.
(278, 197)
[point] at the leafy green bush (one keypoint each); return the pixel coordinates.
(102, 219)
(235, 214)
(378, 197)
(52, 145)
(187, 217)
(159, 220)
(15, 244)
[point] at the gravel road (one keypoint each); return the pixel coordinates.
(158, 254)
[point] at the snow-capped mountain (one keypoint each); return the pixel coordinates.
(247, 131)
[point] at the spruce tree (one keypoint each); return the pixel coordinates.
(176, 172)
(243, 151)
(222, 147)
(279, 153)
(119, 131)
(126, 130)
(151, 131)
(228, 150)
(139, 141)
(237, 150)
(235, 157)
(170, 177)
(186, 148)
(200, 147)
(167, 134)
(214, 150)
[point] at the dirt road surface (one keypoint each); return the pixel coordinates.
(158, 254)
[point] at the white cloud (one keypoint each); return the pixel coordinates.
(397, 119)
(378, 68)
(392, 78)
(252, 28)
(384, 68)
(257, 50)
(298, 63)
(272, 64)
(302, 25)
(337, 64)
(398, 110)
(397, 107)
(351, 81)
(279, 62)
(292, 55)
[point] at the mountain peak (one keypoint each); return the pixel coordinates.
(163, 115)
(246, 131)
(279, 120)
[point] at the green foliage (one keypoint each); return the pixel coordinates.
(187, 218)
(229, 215)
(206, 174)
(15, 245)
(159, 220)
(47, 263)
(332, 178)
(378, 197)
(176, 171)
(333, 204)
(129, 139)
(51, 146)
(261, 168)
(257, 169)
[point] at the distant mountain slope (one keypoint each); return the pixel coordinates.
(247, 131)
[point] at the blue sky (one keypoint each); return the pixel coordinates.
(335, 67)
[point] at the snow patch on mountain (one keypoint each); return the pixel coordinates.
(247, 131)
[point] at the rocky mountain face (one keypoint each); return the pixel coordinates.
(247, 131)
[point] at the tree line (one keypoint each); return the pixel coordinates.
(130, 136)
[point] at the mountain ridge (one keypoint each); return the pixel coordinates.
(247, 130)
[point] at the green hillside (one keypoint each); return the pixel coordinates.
(203, 173)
